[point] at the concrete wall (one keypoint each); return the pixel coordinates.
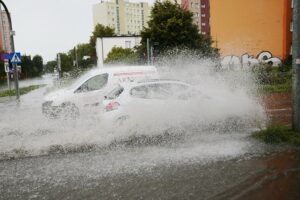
(105, 44)
(243, 26)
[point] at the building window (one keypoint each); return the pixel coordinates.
(127, 44)
(203, 24)
(203, 15)
(203, 6)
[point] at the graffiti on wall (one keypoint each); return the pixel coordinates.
(247, 61)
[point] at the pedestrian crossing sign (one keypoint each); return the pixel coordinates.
(15, 58)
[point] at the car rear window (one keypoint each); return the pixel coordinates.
(115, 92)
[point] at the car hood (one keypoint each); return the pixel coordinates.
(58, 96)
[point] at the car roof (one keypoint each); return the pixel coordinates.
(159, 81)
(110, 70)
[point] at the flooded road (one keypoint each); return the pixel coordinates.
(212, 158)
(95, 176)
(279, 178)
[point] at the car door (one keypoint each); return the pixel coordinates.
(92, 90)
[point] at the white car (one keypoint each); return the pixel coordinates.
(88, 89)
(144, 97)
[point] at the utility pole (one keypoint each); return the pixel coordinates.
(59, 66)
(76, 57)
(151, 53)
(296, 64)
(148, 51)
(12, 33)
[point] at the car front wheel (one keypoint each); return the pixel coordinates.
(69, 110)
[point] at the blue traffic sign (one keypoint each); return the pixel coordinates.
(15, 58)
(5, 56)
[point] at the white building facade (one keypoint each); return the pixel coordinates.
(105, 44)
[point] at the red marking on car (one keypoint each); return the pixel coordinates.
(112, 106)
(133, 73)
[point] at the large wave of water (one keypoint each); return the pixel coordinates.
(199, 128)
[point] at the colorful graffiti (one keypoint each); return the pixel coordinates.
(247, 61)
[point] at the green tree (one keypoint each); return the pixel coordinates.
(84, 55)
(171, 27)
(66, 62)
(50, 66)
(120, 55)
(37, 65)
(101, 31)
(2, 71)
(26, 66)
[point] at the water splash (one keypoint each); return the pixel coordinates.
(214, 125)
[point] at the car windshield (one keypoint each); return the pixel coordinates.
(95, 83)
(115, 93)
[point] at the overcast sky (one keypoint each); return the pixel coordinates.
(46, 27)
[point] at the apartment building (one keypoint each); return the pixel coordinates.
(5, 41)
(125, 17)
(205, 17)
(201, 13)
(194, 7)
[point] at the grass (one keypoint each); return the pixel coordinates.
(23, 90)
(276, 88)
(278, 134)
(274, 80)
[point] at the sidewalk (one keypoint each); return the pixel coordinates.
(7, 99)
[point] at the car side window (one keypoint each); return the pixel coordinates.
(94, 83)
(159, 91)
(139, 92)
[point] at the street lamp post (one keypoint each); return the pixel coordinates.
(296, 64)
(12, 33)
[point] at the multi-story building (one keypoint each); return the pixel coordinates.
(194, 7)
(201, 13)
(125, 17)
(205, 17)
(243, 27)
(5, 41)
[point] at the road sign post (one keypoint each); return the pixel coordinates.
(15, 59)
(5, 58)
(6, 69)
